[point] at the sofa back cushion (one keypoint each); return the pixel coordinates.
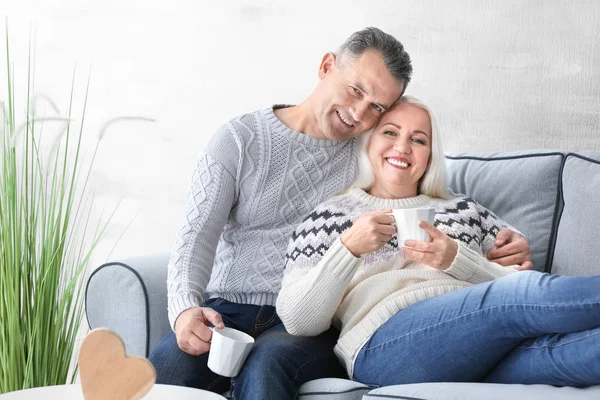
(521, 187)
(577, 250)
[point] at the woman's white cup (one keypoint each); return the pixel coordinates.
(228, 351)
(407, 223)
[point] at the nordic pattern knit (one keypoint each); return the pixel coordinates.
(325, 283)
(254, 183)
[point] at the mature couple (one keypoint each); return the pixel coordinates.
(402, 312)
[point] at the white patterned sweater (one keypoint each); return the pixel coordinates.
(324, 283)
(253, 184)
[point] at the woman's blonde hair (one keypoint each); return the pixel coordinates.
(433, 183)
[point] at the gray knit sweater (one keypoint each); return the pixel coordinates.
(324, 283)
(254, 183)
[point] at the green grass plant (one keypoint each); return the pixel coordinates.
(46, 241)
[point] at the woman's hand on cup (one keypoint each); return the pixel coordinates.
(439, 252)
(193, 334)
(370, 232)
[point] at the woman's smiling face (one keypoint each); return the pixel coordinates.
(399, 151)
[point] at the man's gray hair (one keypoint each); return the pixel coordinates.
(395, 58)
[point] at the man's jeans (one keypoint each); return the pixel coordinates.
(527, 328)
(277, 366)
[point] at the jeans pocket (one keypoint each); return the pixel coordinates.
(267, 318)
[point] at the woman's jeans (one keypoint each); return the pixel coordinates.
(277, 366)
(527, 327)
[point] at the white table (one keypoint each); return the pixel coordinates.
(73, 392)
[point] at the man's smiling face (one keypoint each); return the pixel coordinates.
(351, 97)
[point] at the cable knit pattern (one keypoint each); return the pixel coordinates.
(324, 283)
(253, 184)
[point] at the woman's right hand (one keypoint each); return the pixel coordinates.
(369, 233)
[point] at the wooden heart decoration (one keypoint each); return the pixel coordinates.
(107, 373)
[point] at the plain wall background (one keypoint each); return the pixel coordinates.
(502, 75)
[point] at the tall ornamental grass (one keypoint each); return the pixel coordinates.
(46, 240)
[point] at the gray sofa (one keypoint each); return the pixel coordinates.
(549, 195)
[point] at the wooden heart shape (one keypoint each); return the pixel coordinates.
(107, 373)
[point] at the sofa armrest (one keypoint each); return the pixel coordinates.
(130, 298)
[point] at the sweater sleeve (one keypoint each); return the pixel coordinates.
(490, 226)
(470, 266)
(317, 274)
(209, 203)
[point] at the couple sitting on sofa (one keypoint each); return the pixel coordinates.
(259, 177)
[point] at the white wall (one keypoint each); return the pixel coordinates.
(502, 75)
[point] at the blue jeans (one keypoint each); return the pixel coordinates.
(527, 328)
(277, 366)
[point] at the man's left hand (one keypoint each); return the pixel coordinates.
(511, 248)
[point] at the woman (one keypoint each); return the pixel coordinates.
(434, 311)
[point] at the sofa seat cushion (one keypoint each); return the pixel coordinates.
(579, 221)
(332, 389)
(521, 187)
(481, 391)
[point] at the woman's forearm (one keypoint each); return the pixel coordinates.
(310, 295)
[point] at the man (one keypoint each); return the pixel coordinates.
(256, 180)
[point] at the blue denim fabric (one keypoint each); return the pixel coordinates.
(527, 328)
(277, 366)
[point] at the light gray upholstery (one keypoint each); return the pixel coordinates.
(481, 391)
(520, 187)
(130, 297)
(333, 389)
(577, 251)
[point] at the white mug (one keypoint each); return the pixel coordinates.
(228, 351)
(407, 223)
